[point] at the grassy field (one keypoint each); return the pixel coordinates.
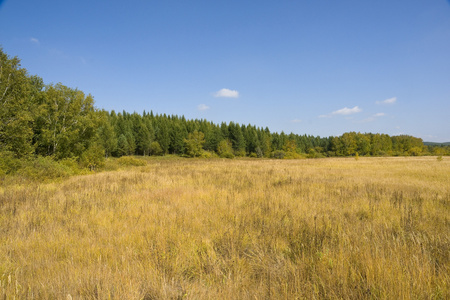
(373, 228)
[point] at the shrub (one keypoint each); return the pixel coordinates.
(208, 154)
(239, 153)
(259, 152)
(225, 150)
(155, 149)
(9, 164)
(72, 165)
(131, 161)
(278, 154)
(312, 153)
(93, 157)
(227, 155)
(44, 168)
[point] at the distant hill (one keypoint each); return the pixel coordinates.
(436, 144)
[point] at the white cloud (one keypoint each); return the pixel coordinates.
(34, 40)
(343, 112)
(379, 115)
(226, 93)
(387, 101)
(203, 107)
(347, 111)
(296, 121)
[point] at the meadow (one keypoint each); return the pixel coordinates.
(334, 228)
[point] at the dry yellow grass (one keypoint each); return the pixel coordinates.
(376, 228)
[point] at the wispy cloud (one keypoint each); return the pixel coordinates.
(379, 115)
(203, 107)
(343, 112)
(296, 121)
(226, 93)
(34, 41)
(347, 111)
(389, 101)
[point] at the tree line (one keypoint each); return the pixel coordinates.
(54, 120)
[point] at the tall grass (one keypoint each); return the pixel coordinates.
(376, 228)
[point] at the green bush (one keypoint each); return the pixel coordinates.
(93, 158)
(44, 168)
(278, 154)
(224, 149)
(127, 161)
(155, 149)
(312, 153)
(9, 164)
(208, 154)
(227, 155)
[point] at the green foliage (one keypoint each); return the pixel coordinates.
(407, 145)
(9, 163)
(42, 168)
(237, 139)
(106, 135)
(415, 151)
(93, 158)
(290, 146)
(123, 148)
(61, 122)
(155, 149)
(313, 153)
(278, 154)
(224, 149)
(18, 93)
(290, 150)
(66, 122)
(208, 154)
(194, 143)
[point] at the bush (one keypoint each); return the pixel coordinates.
(127, 161)
(314, 154)
(227, 155)
(208, 154)
(239, 153)
(224, 149)
(155, 149)
(44, 168)
(278, 154)
(9, 164)
(293, 155)
(259, 153)
(72, 165)
(93, 157)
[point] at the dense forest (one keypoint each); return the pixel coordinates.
(53, 120)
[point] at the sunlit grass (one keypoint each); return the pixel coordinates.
(232, 229)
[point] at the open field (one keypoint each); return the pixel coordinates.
(373, 228)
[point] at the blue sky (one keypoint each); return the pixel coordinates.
(320, 67)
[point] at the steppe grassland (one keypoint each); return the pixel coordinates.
(232, 229)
